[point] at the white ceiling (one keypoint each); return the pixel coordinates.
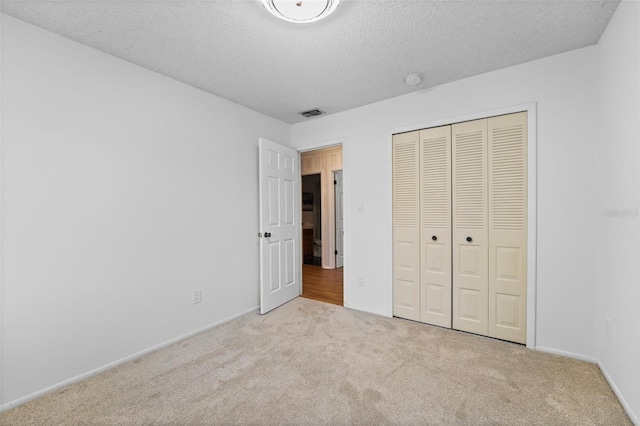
(358, 55)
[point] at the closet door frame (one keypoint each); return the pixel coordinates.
(532, 160)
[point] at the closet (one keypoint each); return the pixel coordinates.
(460, 226)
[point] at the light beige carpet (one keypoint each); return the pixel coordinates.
(312, 363)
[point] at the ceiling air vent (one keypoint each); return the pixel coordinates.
(311, 113)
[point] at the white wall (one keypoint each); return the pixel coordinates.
(122, 191)
(564, 88)
(618, 240)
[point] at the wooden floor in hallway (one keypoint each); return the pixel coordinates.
(325, 285)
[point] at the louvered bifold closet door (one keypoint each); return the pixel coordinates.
(435, 226)
(470, 227)
(508, 227)
(406, 226)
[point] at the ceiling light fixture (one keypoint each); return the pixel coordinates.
(413, 79)
(301, 11)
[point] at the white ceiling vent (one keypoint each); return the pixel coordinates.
(311, 113)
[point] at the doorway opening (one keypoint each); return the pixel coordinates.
(322, 222)
(311, 220)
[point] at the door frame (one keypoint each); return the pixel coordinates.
(532, 196)
(335, 214)
(342, 141)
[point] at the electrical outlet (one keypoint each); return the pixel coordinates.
(607, 328)
(197, 296)
(361, 281)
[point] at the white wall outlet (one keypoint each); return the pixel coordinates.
(197, 296)
(607, 328)
(360, 281)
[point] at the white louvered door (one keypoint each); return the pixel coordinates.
(507, 156)
(406, 232)
(470, 227)
(460, 226)
(435, 227)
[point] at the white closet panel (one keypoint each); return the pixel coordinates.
(406, 227)
(470, 227)
(435, 233)
(507, 156)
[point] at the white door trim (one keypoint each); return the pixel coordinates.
(1, 283)
(339, 230)
(532, 194)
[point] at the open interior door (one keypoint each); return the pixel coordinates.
(280, 229)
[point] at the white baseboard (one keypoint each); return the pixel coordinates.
(616, 391)
(113, 364)
(625, 405)
(579, 357)
(368, 311)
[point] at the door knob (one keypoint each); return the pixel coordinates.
(469, 239)
(434, 238)
(267, 234)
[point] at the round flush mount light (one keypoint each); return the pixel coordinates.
(413, 79)
(301, 11)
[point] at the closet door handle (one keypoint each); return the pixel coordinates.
(267, 234)
(469, 239)
(434, 238)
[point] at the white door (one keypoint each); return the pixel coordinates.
(406, 226)
(337, 179)
(470, 228)
(280, 229)
(435, 226)
(507, 158)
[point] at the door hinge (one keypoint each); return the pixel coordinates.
(335, 182)
(336, 252)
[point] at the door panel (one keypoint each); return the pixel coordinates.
(434, 299)
(289, 212)
(280, 273)
(507, 156)
(274, 204)
(470, 259)
(470, 228)
(274, 269)
(406, 234)
(290, 258)
(435, 227)
(471, 305)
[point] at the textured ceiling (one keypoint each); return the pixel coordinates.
(358, 55)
